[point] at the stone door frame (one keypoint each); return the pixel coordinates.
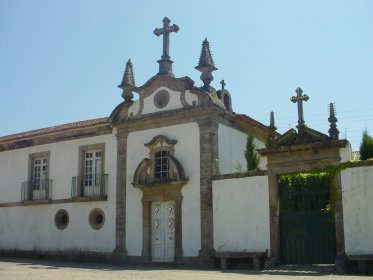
(301, 158)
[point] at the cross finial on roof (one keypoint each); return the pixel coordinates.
(222, 84)
(299, 98)
(165, 31)
(165, 64)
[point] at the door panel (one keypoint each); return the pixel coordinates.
(163, 231)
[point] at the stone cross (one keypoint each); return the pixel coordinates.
(299, 99)
(222, 84)
(165, 31)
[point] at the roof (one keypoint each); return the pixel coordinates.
(245, 120)
(258, 128)
(54, 129)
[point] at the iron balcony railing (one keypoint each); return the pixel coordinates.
(89, 185)
(36, 190)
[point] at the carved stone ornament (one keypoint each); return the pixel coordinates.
(161, 98)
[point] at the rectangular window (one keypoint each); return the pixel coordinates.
(161, 165)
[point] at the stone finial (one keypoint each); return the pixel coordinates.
(206, 66)
(128, 82)
(165, 64)
(272, 125)
(272, 130)
(333, 131)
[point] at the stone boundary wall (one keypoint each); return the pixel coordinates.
(241, 212)
(357, 197)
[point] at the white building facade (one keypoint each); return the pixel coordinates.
(136, 186)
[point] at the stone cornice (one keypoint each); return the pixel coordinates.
(240, 175)
(59, 136)
(171, 117)
(54, 201)
(303, 147)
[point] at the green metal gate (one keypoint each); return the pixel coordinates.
(307, 225)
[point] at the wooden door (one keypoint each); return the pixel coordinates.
(163, 231)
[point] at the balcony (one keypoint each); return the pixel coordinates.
(36, 190)
(89, 185)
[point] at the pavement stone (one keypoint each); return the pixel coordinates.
(34, 269)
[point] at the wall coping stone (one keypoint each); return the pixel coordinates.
(240, 175)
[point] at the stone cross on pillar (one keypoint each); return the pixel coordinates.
(165, 64)
(299, 99)
(165, 31)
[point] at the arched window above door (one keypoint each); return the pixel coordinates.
(161, 168)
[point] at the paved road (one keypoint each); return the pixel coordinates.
(17, 269)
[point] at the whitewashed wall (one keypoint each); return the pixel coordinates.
(241, 214)
(357, 197)
(187, 152)
(63, 165)
(32, 227)
(232, 145)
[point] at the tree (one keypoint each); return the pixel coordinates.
(366, 146)
(251, 155)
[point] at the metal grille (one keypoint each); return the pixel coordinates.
(36, 190)
(161, 165)
(307, 225)
(95, 185)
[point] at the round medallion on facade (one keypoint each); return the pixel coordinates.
(161, 98)
(96, 218)
(61, 219)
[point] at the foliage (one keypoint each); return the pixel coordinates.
(306, 191)
(366, 146)
(251, 155)
(317, 176)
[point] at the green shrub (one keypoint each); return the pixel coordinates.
(366, 146)
(251, 155)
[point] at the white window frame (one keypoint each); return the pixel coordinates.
(38, 171)
(97, 169)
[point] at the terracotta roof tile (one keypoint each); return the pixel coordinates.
(54, 129)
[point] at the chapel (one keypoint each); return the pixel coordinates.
(136, 185)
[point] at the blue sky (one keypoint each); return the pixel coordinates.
(60, 61)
